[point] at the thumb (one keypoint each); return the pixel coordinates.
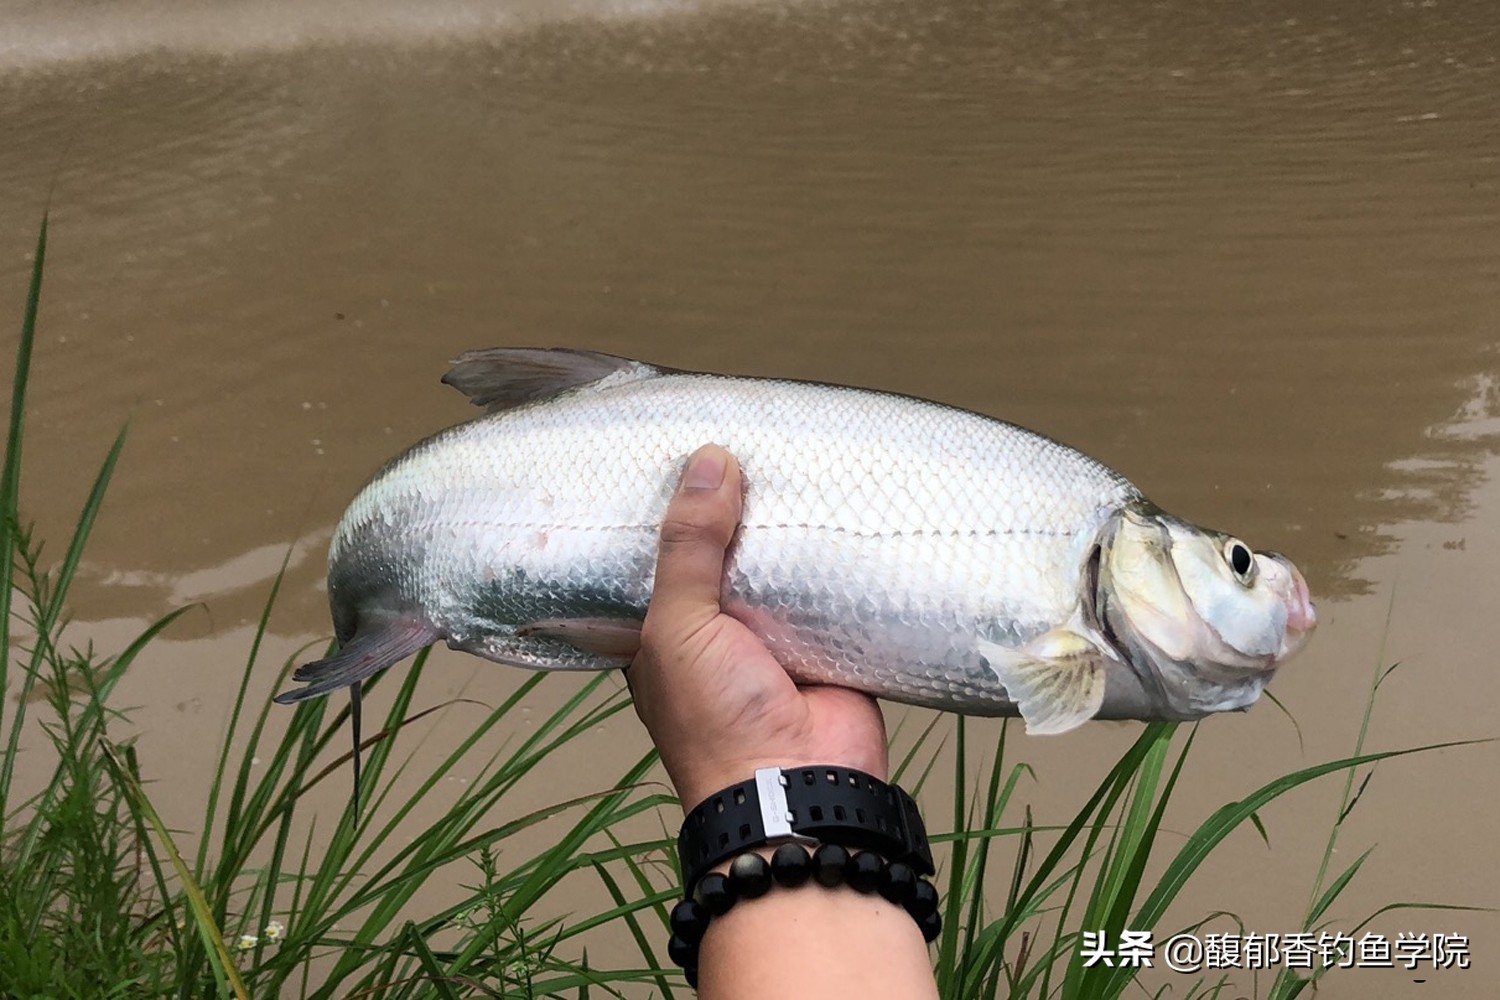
(697, 529)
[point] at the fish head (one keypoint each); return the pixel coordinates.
(1209, 616)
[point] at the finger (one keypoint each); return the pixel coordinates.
(699, 523)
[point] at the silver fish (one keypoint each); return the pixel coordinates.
(897, 546)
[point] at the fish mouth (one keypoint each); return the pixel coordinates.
(1301, 616)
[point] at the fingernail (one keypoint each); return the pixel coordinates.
(705, 470)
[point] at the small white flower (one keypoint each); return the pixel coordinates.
(246, 942)
(274, 930)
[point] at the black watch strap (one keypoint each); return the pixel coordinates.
(814, 804)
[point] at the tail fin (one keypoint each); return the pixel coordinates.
(369, 652)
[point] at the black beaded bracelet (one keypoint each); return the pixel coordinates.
(750, 877)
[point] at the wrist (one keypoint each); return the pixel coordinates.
(815, 942)
(846, 897)
(834, 826)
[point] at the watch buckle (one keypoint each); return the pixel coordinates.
(775, 811)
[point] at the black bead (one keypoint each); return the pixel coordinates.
(898, 882)
(863, 871)
(828, 865)
(924, 900)
(681, 953)
(689, 920)
(690, 973)
(749, 876)
(715, 894)
(791, 865)
(931, 926)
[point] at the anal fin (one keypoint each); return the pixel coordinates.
(1056, 680)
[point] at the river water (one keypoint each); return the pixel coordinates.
(1248, 254)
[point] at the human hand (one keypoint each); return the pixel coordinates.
(714, 700)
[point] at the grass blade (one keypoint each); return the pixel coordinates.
(226, 973)
(10, 506)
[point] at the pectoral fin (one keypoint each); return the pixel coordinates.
(1056, 680)
(377, 644)
(374, 647)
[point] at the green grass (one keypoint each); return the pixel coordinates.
(98, 897)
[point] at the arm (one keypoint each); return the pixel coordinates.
(718, 706)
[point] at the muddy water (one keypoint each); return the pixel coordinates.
(1249, 255)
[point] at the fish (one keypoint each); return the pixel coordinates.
(901, 547)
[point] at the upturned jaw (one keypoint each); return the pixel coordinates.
(1301, 616)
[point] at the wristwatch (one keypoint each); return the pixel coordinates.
(809, 805)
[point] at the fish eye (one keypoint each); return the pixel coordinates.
(1240, 560)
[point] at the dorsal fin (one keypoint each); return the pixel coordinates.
(501, 378)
